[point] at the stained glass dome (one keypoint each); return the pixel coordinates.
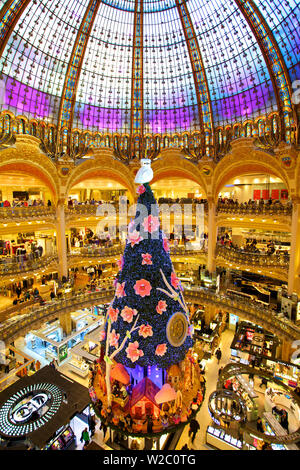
(148, 66)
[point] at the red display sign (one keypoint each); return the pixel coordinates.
(275, 194)
(265, 194)
(256, 194)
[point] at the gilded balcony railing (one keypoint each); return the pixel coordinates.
(254, 209)
(252, 259)
(30, 212)
(30, 316)
(262, 315)
(258, 313)
(9, 267)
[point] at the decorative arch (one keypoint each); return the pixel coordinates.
(173, 164)
(103, 165)
(246, 159)
(27, 158)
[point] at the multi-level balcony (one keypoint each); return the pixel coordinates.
(34, 316)
(26, 213)
(254, 209)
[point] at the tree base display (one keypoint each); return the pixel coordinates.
(156, 419)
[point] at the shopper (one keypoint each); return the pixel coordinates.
(18, 291)
(284, 420)
(194, 428)
(218, 355)
(103, 428)
(85, 437)
(92, 425)
(259, 425)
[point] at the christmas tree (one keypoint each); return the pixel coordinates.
(147, 332)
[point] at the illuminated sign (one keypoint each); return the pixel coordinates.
(29, 409)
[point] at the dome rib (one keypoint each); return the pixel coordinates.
(68, 98)
(200, 79)
(137, 98)
(273, 58)
(9, 17)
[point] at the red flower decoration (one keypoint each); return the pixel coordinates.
(161, 349)
(120, 263)
(161, 306)
(128, 313)
(141, 189)
(102, 335)
(114, 339)
(147, 258)
(174, 280)
(166, 245)
(151, 224)
(113, 313)
(120, 290)
(134, 238)
(142, 287)
(133, 353)
(145, 331)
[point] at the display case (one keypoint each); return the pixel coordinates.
(242, 387)
(79, 367)
(221, 439)
(62, 441)
(274, 397)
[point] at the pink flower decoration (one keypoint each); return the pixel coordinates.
(145, 331)
(133, 353)
(166, 245)
(142, 287)
(147, 258)
(120, 263)
(102, 336)
(161, 349)
(113, 313)
(190, 331)
(120, 290)
(151, 224)
(115, 282)
(174, 280)
(161, 306)
(134, 237)
(128, 313)
(141, 189)
(114, 339)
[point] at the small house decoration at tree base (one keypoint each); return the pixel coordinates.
(151, 383)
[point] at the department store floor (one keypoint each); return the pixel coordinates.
(203, 416)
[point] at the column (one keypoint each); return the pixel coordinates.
(286, 351)
(209, 313)
(61, 240)
(294, 266)
(212, 236)
(65, 322)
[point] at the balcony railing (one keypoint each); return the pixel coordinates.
(99, 252)
(252, 259)
(91, 251)
(30, 212)
(29, 316)
(254, 209)
(230, 303)
(276, 323)
(14, 267)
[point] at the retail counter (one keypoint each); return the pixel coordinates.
(274, 397)
(79, 367)
(220, 439)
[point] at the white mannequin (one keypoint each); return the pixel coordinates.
(145, 173)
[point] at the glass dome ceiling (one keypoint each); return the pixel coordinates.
(147, 66)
